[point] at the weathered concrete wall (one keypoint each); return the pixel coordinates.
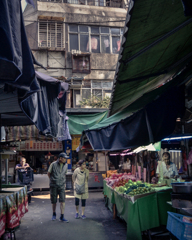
(76, 13)
(32, 35)
(99, 61)
(59, 63)
(102, 65)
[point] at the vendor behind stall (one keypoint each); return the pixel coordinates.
(127, 165)
(168, 168)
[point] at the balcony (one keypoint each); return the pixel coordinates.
(101, 3)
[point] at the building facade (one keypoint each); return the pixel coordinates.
(77, 40)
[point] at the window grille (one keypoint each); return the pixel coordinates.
(51, 34)
(99, 88)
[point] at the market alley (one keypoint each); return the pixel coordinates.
(37, 224)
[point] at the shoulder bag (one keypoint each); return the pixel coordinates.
(80, 189)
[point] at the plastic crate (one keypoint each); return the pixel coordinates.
(180, 229)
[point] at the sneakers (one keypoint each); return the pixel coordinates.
(77, 215)
(63, 220)
(83, 217)
(53, 218)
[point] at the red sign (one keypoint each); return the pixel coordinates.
(96, 178)
(44, 146)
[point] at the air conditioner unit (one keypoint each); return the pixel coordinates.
(76, 83)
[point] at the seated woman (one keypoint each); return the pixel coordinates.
(167, 167)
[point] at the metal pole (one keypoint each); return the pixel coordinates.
(96, 161)
(6, 171)
(105, 163)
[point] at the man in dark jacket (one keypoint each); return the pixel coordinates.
(57, 175)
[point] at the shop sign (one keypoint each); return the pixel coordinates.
(43, 146)
(75, 143)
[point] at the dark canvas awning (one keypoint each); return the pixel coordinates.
(41, 108)
(156, 46)
(16, 63)
(153, 66)
(132, 127)
(26, 97)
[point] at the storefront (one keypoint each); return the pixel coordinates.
(96, 162)
(39, 155)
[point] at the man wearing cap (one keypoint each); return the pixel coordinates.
(57, 175)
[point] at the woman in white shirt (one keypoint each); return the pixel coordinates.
(168, 168)
(127, 165)
(81, 176)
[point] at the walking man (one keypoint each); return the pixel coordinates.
(57, 175)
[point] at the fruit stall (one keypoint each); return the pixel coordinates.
(13, 206)
(142, 205)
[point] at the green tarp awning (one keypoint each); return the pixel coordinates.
(157, 45)
(154, 64)
(78, 123)
(147, 120)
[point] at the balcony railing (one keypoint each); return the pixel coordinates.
(101, 3)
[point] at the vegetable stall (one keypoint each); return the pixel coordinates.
(142, 205)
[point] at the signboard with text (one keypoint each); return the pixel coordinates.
(43, 146)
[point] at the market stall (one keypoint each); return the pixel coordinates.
(13, 206)
(141, 212)
(95, 161)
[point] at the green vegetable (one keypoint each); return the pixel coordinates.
(139, 182)
(121, 189)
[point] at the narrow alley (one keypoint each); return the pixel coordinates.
(99, 225)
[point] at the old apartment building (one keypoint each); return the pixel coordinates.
(77, 40)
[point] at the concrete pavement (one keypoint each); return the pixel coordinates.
(99, 225)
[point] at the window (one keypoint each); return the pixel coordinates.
(101, 89)
(50, 34)
(95, 39)
(102, 3)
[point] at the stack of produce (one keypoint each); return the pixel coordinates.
(134, 188)
(111, 172)
(119, 179)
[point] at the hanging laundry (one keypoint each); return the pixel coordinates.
(106, 42)
(94, 43)
(118, 45)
